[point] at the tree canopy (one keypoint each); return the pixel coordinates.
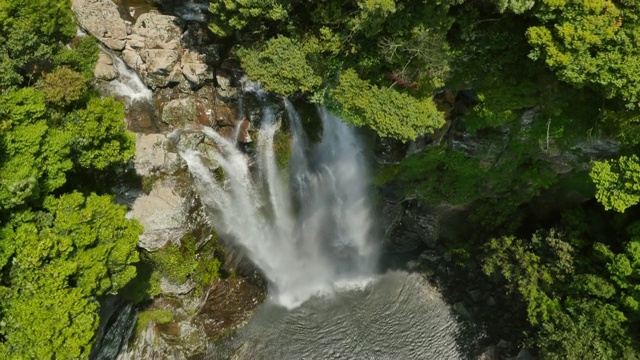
(60, 249)
(62, 259)
(396, 49)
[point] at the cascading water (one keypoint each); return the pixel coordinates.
(128, 84)
(313, 235)
(309, 237)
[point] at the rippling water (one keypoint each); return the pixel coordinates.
(397, 316)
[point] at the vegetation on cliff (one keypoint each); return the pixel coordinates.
(570, 64)
(63, 241)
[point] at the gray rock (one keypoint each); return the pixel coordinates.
(101, 19)
(159, 61)
(149, 345)
(152, 156)
(158, 31)
(170, 288)
(195, 69)
(490, 353)
(225, 88)
(411, 223)
(156, 46)
(132, 58)
(163, 214)
(475, 294)
(461, 310)
(524, 354)
(180, 112)
(136, 41)
(104, 69)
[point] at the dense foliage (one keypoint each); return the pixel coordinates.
(552, 79)
(63, 242)
(361, 56)
(61, 258)
(389, 113)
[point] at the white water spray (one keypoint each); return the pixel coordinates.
(128, 84)
(309, 236)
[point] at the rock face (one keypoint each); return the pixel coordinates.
(104, 69)
(101, 19)
(188, 110)
(225, 306)
(157, 46)
(169, 210)
(410, 225)
(176, 58)
(153, 156)
(162, 213)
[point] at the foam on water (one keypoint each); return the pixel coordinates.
(128, 84)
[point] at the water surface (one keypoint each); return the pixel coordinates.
(397, 316)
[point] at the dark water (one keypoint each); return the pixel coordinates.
(397, 316)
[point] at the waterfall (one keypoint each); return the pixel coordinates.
(309, 235)
(128, 84)
(193, 11)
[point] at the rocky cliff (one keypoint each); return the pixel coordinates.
(159, 58)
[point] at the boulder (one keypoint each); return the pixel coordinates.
(135, 41)
(152, 156)
(225, 89)
(156, 46)
(159, 61)
(490, 353)
(158, 31)
(101, 19)
(194, 68)
(243, 135)
(104, 69)
(225, 115)
(163, 214)
(170, 288)
(180, 112)
(524, 354)
(411, 224)
(189, 110)
(132, 58)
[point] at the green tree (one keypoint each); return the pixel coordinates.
(231, 15)
(81, 56)
(63, 86)
(30, 34)
(281, 65)
(389, 43)
(576, 313)
(617, 182)
(35, 156)
(99, 135)
(591, 43)
(389, 112)
(63, 258)
(532, 268)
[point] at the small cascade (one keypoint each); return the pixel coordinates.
(309, 235)
(128, 84)
(193, 11)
